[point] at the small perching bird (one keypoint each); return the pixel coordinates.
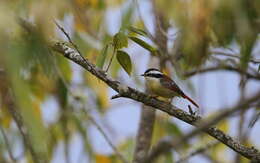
(161, 85)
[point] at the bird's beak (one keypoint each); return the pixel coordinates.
(142, 75)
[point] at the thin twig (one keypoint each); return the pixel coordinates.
(142, 20)
(70, 40)
(222, 67)
(8, 98)
(8, 146)
(197, 151)
(68, 37)
(21, 127)
(110, 61)
(240, 126)
(254, 119)
(159, 27)
(121, 157)
(215, 52)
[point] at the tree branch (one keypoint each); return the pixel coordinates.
(216, 52)
(8, 99)
(145, 132)
(7, 144)
(202, 125)
(120, 156)
(18, 119)
(222, 67)
(197, 151)
(128, 92)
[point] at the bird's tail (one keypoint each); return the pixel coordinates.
(194, 103)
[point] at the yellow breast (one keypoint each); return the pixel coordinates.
(156, 88)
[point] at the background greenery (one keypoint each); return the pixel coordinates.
(31, 73)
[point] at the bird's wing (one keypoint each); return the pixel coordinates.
(170, 84)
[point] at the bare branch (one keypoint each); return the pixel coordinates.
(197, 151)
(120, 156)
(111, 59)
(202, 125)
(8, 99)
(20, 124)
(8, 147)
(142, 20)
(145, 132)
(253, 120)
(216, 52)
(128, 92)
(222, 67)
(68, 37)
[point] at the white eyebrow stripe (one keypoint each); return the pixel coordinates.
(155, 72)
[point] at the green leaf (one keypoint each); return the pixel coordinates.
(102, 57)
(120, 40)
(137, 31)
(124, 60)
(143, 44)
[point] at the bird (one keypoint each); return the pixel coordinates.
(162, 85)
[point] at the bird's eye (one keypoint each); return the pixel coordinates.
(155, 75)
(158, 75)
(149, 75)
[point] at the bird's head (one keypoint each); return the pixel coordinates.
(152, 73)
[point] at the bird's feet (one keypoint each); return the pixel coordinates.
(153, 96)
(167, 100)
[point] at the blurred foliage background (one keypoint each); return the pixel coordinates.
(32, 76)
